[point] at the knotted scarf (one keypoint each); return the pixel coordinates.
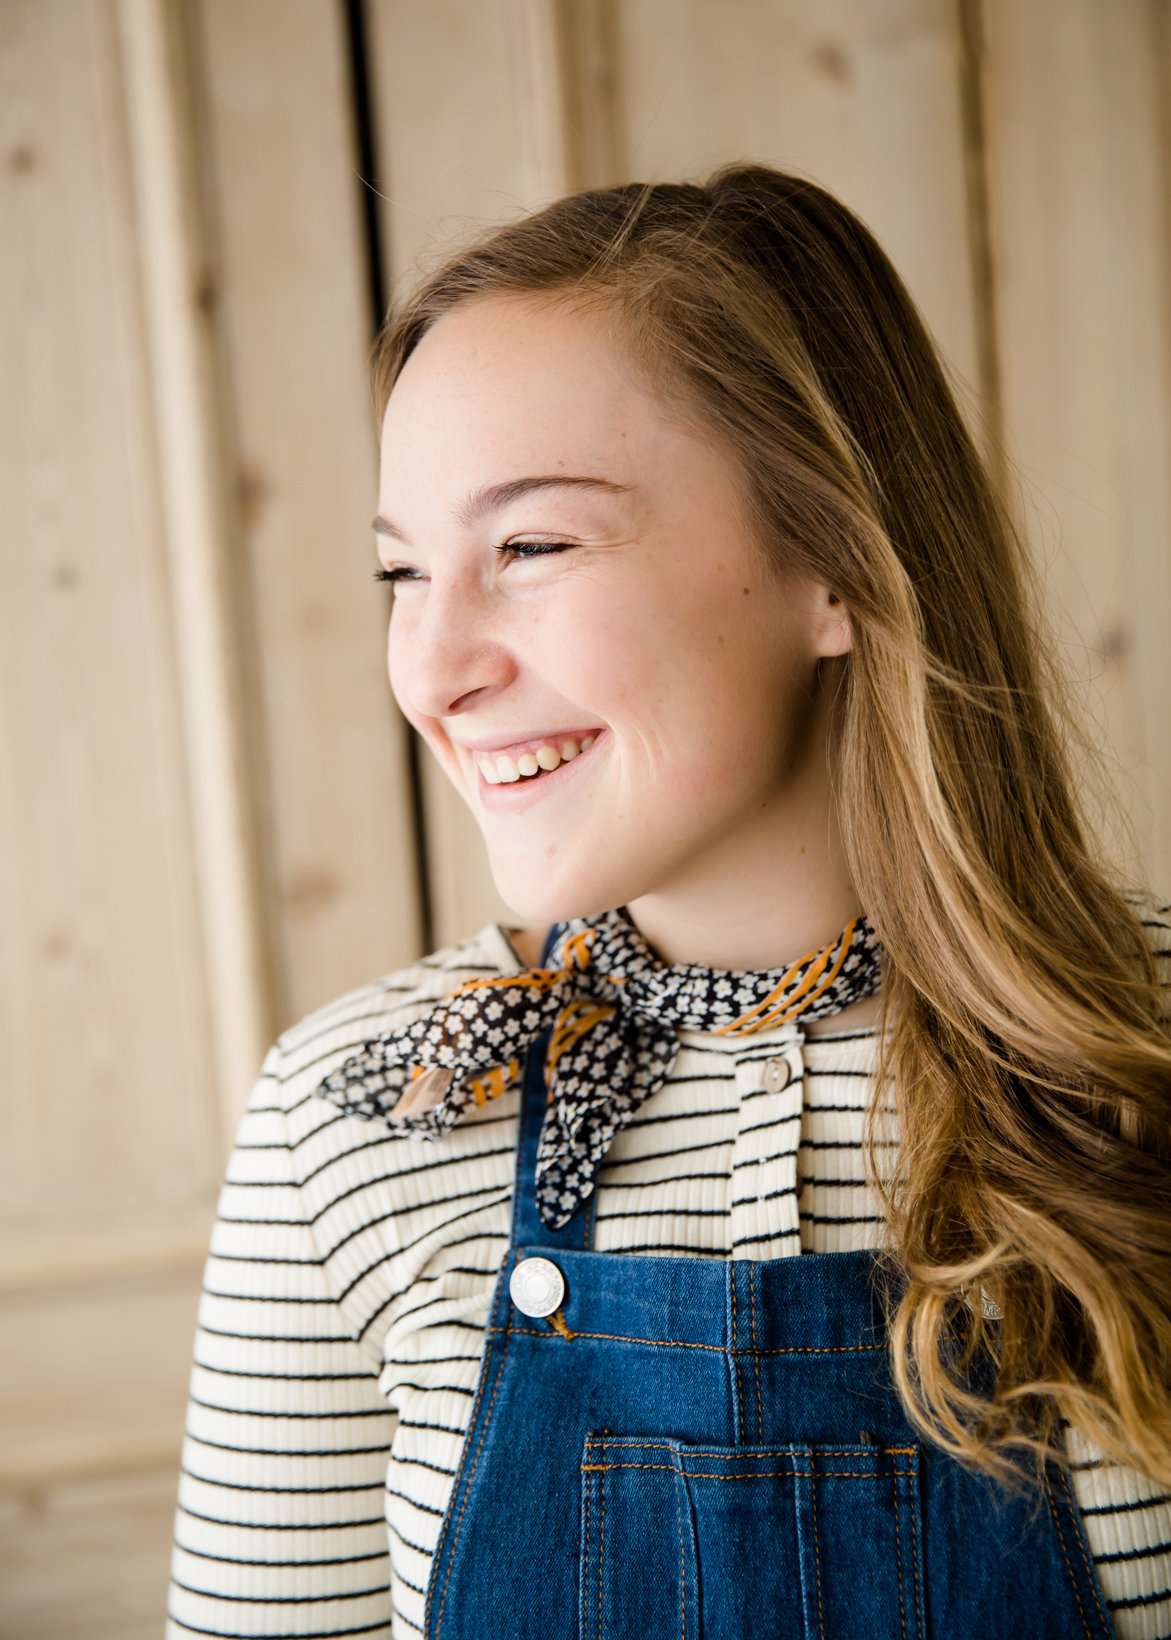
(613, 1009)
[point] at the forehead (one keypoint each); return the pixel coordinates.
(504, 385)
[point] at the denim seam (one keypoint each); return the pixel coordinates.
(1072, 1507)
(767, 1474)
(917, 1550)
(601, 1550)
(680, 1489)
(1059, 1531)
(719, 1349)
(639, 1443)
(736, 1358)
(816, 1548)
(486, 1424)
(752, 1282)
(588, 1558)
(894, 1499)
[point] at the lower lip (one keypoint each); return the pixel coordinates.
(510, 797)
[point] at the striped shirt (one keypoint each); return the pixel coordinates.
(350, 1273)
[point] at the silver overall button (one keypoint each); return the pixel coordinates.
(776, 1075)
(537, 1286)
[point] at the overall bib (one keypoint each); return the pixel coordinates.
(697, 1448)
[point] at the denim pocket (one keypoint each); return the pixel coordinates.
(799, 1542)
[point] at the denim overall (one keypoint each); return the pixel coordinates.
(698, 1448)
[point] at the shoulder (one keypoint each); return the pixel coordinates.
(311, 1047)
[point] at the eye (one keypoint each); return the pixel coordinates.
(519, 549)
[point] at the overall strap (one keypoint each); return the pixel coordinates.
(529, 1229)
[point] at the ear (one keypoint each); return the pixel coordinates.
(833, 633)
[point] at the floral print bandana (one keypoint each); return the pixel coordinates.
(613, 1009)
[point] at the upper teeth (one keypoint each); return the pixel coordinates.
(500, 769)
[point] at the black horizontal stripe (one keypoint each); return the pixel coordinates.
(268, 1412)
(1147, 1552)
(1127, 1507)
(435, 1389)
(301, 1634)
(1128, 1602)
(281, 1599)
(276, 1338)
(286, 1525)
(287, 1452)
(610, 1161)
(289, 1377)
(749, 1201)
(424, 1235)
(276, 1491)
(675, 1212)
(415, 1503)
(403, 1460)
(267, 1298)
(401, 1212)
(280, 1565)
(430, 1427)
(399, 1613)
(407, 1543)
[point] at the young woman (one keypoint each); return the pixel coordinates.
(773, 1236)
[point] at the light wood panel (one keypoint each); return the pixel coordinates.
(110, 1060)
(863, 99)
(86, 1559)
(96, 1377)
(1076, 95)
(279, 149)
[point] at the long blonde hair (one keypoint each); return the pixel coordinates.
(1023, 1040)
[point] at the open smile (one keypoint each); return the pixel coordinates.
(513, 796)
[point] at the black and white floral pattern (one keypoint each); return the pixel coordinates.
(614, 1009)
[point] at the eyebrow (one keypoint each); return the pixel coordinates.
(492, 496)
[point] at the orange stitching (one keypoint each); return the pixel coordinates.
(1064, 1555)
(894, 1498)
(679, 1528)
(761, 1474)
(584, 1585)
(1073, 1506)
(917, 1567)
(719, 1349)
(816, 1555)
(757, 1451)
(735, 1358)
(601, 1552)
(756, 1356)
(557, 1320)
(471, 1476)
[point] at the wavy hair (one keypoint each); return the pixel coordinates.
(1023, 1038)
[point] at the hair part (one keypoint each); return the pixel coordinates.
(1023, 1039)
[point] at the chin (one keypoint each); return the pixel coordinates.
(534, 904)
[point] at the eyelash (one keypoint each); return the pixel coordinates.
(523, 549)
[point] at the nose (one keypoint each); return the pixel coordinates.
(445, 652)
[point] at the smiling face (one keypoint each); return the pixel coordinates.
(657, 627)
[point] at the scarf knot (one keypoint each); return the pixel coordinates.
(613, 1011)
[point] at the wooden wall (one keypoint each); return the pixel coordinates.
(209, 799)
